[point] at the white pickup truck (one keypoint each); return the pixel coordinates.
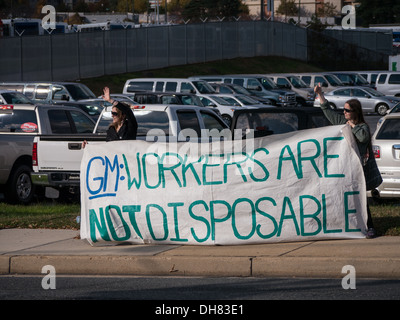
(57, 158)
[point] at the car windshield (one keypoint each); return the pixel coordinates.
(79, 91)
(267, 83)
(396, 108)
(246, 100)
(23, 121)
(240, 89)
(92, 109)
(221, 101)
(191, 100)
(147, 120)
(373, 92)
(203, 87)
(390, 130)
(358, 79)
(14, 98)
(333, 80)
(297, 82)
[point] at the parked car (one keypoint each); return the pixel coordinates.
(258, 85)
(225, 108)
(395, 109)
(273, 120)
(50, 92)
(370, 76)
(118, 96)
(351, 78)
(19, 125)
(371, 100)
(169, 120)
(167, 85)
(13, 97)
(386, 147)
(327, 80)
(93, 109)
(304, 94)
(389, 83)
(242, 100)
(151, 97)
(231, 88)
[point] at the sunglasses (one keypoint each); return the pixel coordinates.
(114, 113)
(348, 110)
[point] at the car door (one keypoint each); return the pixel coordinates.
(339, 97)
(367, 102)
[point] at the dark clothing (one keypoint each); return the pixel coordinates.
(126, 132)
(362, 137)
(129, 128)
(360, 131)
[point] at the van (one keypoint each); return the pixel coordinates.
(258, 85)
(352, 78)
(50, 92)
(167, 84)
(305, 94)
(370, 76)
(327, 80)
(388, 83)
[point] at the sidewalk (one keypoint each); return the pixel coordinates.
(26, 251)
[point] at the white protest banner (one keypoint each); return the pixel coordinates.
(304, 185)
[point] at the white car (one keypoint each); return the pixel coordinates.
(225, 108)
(386, 147)
(242, 100)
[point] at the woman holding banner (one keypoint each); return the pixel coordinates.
(353, 116)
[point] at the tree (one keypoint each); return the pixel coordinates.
(140, 6)
(327, 10)
(316, 24)
(378, 12)
(211, 9)
(176, 6)
(287, 8)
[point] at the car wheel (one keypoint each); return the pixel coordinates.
(381, 109)
(332, 106)
(227, 119)
(20, 188)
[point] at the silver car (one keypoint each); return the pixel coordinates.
(371, 100)
(386, 146)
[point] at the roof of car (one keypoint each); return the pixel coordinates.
(392, 115)
(8, 91)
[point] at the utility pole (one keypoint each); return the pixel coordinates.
(262, 10)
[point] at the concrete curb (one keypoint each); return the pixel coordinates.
(27, 251)
(201, 266)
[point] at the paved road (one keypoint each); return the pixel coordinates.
(194, 288)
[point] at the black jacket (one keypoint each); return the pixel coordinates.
(129, 128)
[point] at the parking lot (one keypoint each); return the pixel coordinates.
(157, 104)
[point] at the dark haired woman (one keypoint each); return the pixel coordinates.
(124, 125)
(353, 116)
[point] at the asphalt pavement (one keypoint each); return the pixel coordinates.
(27, 251)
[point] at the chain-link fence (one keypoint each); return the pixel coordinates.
(83, 55)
